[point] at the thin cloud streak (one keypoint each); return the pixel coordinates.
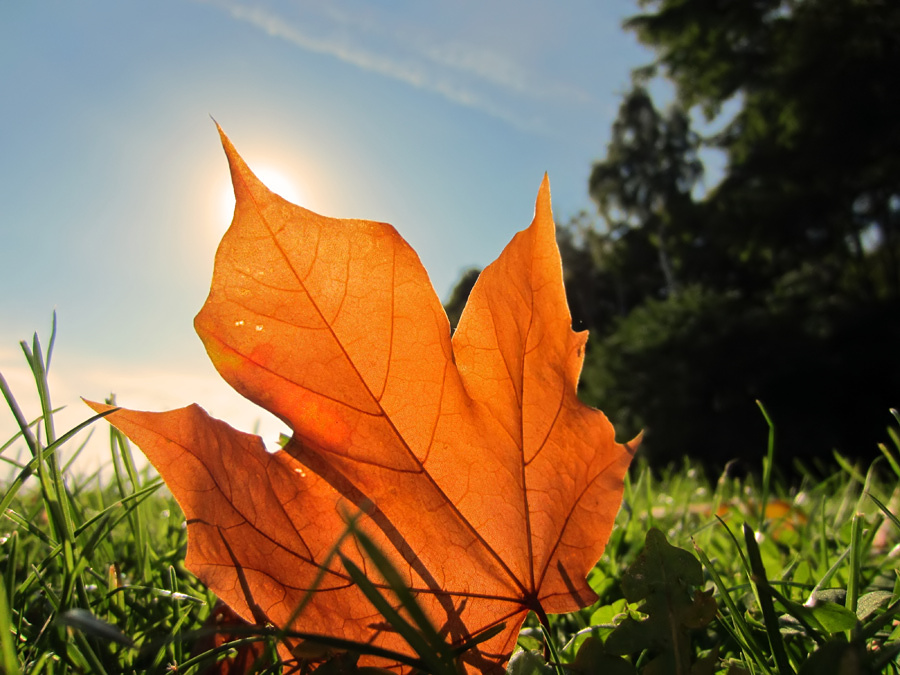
(465, 74)
(500, 70)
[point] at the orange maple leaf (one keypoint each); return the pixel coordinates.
(485, 480)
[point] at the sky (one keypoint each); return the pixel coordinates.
(437, 117)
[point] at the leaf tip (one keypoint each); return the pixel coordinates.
(97, 407)
(632, 445)
(227, 145)
(542, 208)
(544, 190)
(241, 174)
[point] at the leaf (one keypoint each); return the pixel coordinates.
(822, 616)
(871, 602)
(662, 576)
(483, 478)
(593, 658)
(526, 662)
(838, 658)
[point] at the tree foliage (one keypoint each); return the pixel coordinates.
(814, 151)
(643, 187)
(782, 283)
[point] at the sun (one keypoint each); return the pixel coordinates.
(277, 180)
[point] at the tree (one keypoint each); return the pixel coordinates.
(643, 187)
(814, 152)
(783, 282)
(688, 369)
(460, 294)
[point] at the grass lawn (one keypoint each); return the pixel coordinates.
(738, 575)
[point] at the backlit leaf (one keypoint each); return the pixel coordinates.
(486, 482)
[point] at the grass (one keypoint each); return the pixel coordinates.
(742, 575)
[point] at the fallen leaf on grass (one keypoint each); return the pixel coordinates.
(484, 479)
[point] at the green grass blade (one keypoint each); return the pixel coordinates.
(29, 469)
(443, 651)
(130, 500)
(324, 568)
(406, 630)
(476, 640)
(744, 635)
(851, 470)
(31, 527)
(764, 598)
(39, 370)
(856, 547)
(255, 633)
(885, 510)
(390, 575)
(123, 460)
(737, 547)
(24, 427)
(768, 462)
(87, 623)
(52, 343)
(888, 455)
(551, 648)
(15, 437)
(67, 467)
(210, 656)
(8, 657)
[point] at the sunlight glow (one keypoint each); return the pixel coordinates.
(278, 181)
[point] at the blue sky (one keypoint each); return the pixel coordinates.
(440, 118)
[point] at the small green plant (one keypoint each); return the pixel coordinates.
(92, 574)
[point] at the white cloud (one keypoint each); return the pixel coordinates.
(483, 71)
